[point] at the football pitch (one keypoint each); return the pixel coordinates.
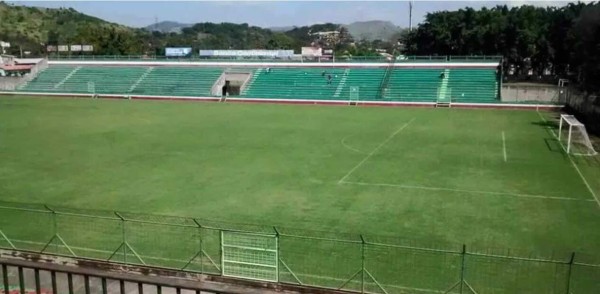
(484, 178)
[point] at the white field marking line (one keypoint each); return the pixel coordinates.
(375, 150)
(465, 191)
(179, 260)
(504, 145)
(349, 147)
(572, 162)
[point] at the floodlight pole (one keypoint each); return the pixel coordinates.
(410, 4)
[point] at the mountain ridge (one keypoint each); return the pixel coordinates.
(359, 30)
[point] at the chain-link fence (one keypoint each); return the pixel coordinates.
(586, 106)
(361, 263)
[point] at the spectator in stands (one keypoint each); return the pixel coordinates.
(268, 70)
(442, 75)
(329, 79)
(323, 73)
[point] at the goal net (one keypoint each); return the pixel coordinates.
(573, 136)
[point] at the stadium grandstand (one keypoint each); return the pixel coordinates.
(407, 82)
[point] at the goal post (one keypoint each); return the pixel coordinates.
(574, 137)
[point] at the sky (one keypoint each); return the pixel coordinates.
(267, 13)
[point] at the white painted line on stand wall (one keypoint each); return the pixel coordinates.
(375, 150)
(504, 145)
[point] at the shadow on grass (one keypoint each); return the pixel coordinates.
(546, 124)
(551, 142)
(554, 146)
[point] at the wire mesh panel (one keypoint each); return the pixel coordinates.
(585, 279)
(585, 274)
(505, 274)
(251, 256)
(29, 228)
(399, 268)
(320, 261)
(161, 241)
(87, 235)
(208, 260)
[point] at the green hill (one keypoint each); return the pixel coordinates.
(32, 28)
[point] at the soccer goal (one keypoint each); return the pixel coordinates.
(572, 134)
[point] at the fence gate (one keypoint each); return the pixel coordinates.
(354, 94)
(91, 87)
(249, 256)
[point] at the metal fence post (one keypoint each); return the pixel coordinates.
(571, 261)
(53, 279)
(221, 252)
(462, 268)
(54, 225)
(5, 277)
(200, 244)
(38, 289)
(70, 282)
(21, 280)
(123, 237)
(86, 284)
(362, 275)
(276, 252)
(104, 286)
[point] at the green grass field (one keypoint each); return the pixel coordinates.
(484, 178)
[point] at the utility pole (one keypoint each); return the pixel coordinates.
(410, 4)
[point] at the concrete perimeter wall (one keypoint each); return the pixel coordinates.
(531, 93)
(586, 108)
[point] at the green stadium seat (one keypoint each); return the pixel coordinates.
(473, 85)
(178, 81)
(413, 85)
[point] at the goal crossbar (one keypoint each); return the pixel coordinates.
(576, 134)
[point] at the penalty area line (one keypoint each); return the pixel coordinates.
(465, 191)
(400, 129)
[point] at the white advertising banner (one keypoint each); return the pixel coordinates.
(312, 51)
